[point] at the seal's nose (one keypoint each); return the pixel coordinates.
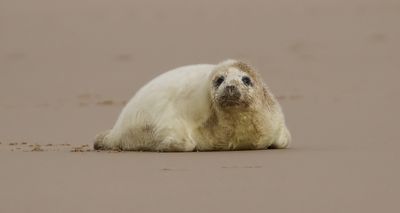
(232, 91)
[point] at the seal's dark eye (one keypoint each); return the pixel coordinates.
(247, 81)
(219, 81)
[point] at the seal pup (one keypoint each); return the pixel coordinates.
(201, 107)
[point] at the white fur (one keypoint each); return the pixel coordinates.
(166, 114)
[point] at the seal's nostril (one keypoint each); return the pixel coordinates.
(231, 88)
(232, 91)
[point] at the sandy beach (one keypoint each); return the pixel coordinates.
(67, 68)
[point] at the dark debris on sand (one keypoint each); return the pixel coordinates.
(82, 148)
(37, 148)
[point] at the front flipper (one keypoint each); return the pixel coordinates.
(283, 140)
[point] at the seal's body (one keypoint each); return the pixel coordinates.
(200, 107)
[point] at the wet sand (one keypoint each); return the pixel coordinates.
(67, 69)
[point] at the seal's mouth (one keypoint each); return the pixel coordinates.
(229, 102)
(230, 97)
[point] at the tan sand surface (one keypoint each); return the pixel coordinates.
(68, 67)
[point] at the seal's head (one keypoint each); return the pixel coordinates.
(235, 85)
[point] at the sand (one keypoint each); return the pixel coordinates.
(68, 67)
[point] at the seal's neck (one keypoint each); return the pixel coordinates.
(233, 129)
(232, 117)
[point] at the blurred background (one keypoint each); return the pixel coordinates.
(68, 67)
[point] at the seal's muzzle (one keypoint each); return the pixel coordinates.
(230, 96)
